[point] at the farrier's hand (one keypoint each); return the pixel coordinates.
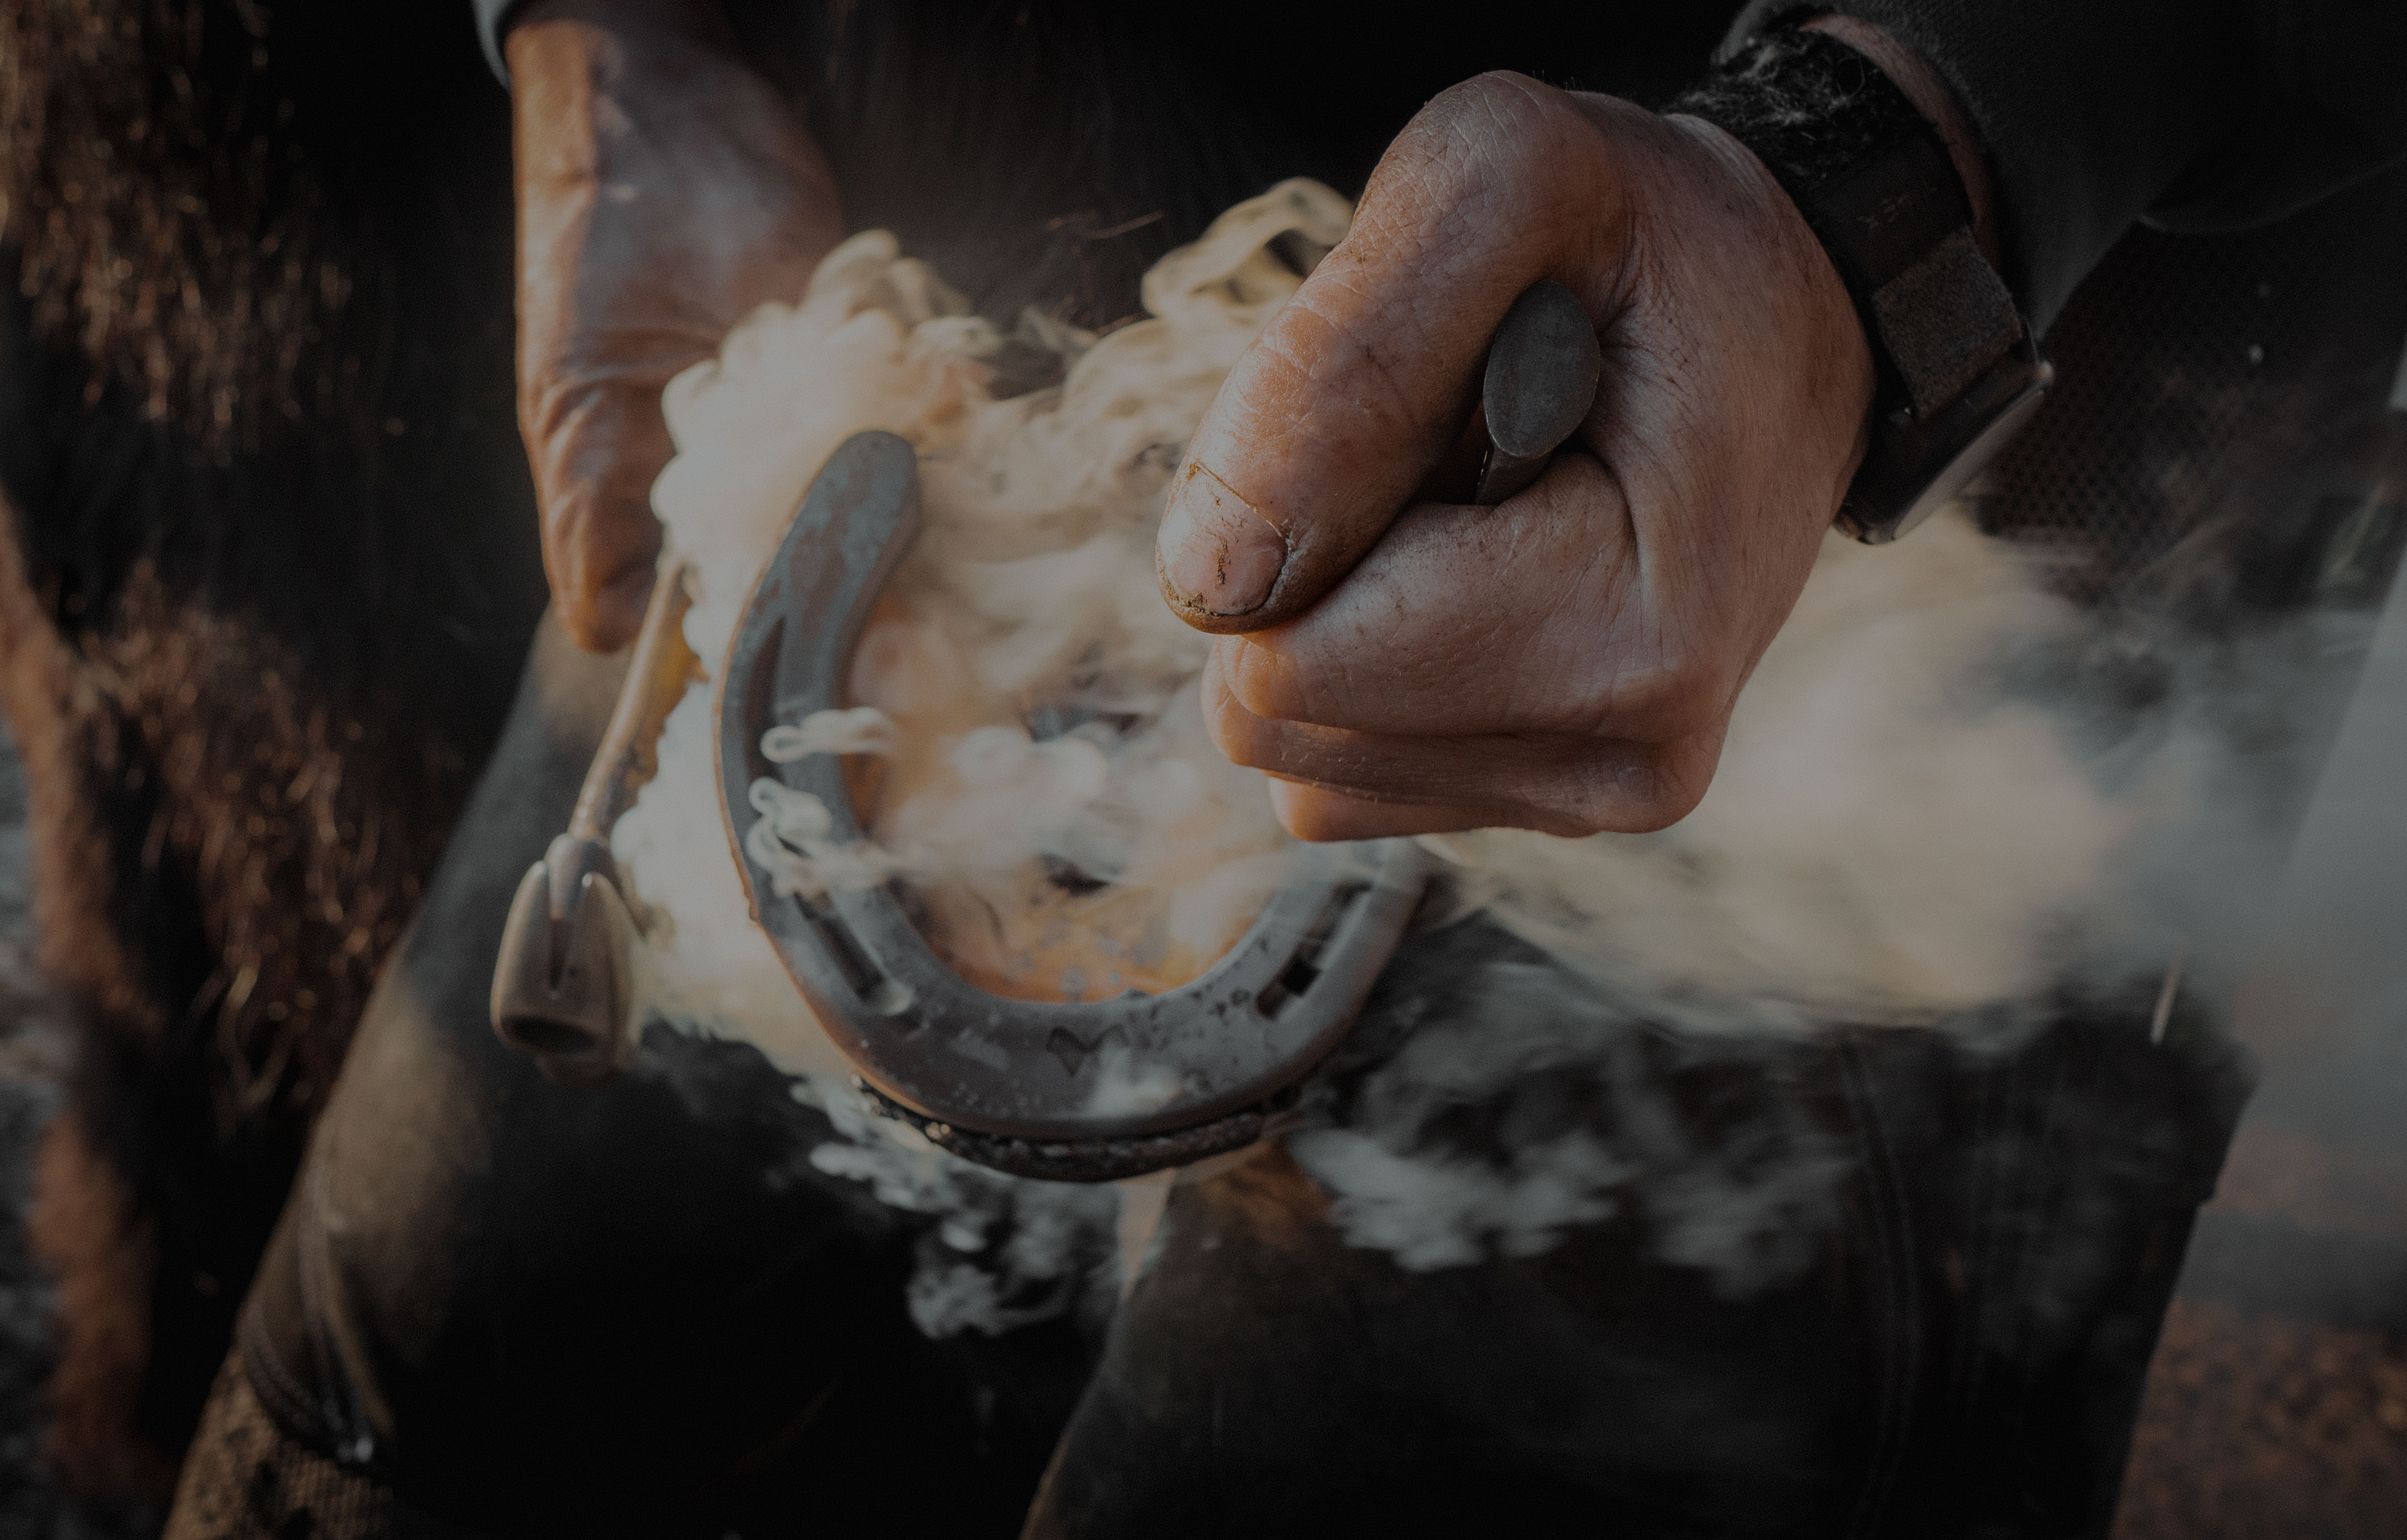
(1567, 661)
(664, 189)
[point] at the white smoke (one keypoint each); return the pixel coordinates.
(1893, 834)
(1579, 1125)
(1890, 836)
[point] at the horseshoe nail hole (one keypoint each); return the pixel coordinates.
(1302, 970)
(1294, 981)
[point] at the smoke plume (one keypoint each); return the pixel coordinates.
(1902, 829)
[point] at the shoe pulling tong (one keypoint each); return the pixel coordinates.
(1031, 1088)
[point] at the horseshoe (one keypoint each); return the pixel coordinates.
(1017, 1085)
(1023, 1086)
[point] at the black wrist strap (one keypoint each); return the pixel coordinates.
(1873, 180)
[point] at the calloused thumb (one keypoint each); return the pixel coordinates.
(1363, 381)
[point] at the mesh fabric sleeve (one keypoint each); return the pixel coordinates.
(2098, 113)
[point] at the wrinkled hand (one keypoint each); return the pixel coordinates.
(1566, 661)
(664, 189)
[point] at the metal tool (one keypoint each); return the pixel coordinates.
(1543, 370)
(563, 986)
(1023, 1086)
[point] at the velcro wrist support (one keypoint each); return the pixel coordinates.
(1873, 180)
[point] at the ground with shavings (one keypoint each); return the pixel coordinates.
(2277, 1408)
(2260, 1428)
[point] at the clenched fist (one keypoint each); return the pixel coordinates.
(1566, 661)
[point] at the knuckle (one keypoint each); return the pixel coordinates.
(552, 406)
(1632, 793)
(1264, 684)
(1668, 695)
(1500, 133)
(1249, 751)
(578, 618)
(1333, 686)
(1495, 98)
(1241, 738)
(1314, 813)
(1337, 332)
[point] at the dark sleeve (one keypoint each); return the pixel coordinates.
(491, 15)
(2195, 117)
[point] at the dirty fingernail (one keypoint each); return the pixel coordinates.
(1216, 551)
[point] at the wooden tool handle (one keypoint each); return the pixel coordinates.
(657, 676)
